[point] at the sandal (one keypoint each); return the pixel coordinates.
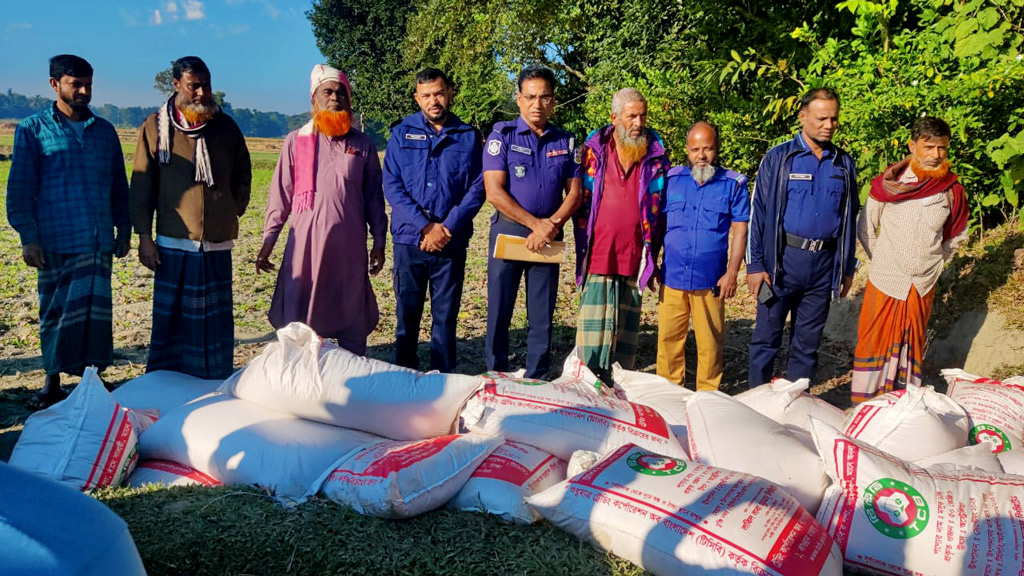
(41, 401)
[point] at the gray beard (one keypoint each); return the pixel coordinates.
(702, 175)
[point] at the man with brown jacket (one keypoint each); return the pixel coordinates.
(192, 170)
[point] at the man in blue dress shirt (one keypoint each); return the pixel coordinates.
(528, 164)
(432, 179)
(802, 239)
(704, 204)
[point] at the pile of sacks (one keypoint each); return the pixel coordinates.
(772, 481)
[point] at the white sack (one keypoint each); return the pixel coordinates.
(1012, 461)
(652, 390)
(85, 441)
(996, 409)
(237, 442)
(162, 390)
(510, 474)
(169, 474)
(892, 517)
(910, 424)
(675, 517)
(402, 479)
(575, 372)
(789, 403)
(561, 419)
(311, 378)
(727, 434)
(977, 457)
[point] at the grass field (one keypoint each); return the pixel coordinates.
(240, 531)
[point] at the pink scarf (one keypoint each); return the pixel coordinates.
(305, 168)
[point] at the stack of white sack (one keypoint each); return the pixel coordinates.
(85, 441)
(561, 418)
(308, 377)
(911, 424)
(727, 434)
(501, 484)
(889, 516)
(670, 517)
(996, 409)
(789, 403)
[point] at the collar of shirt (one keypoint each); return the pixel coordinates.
(58, 116)
(718, 174)
(523, 127)
(827, 150)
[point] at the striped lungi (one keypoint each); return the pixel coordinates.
(193, 323)
(608, 325)
(75, 327)
(890, 342)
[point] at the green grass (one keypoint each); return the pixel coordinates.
(241, 531)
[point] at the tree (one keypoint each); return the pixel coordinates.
(163, 82)
(363, 38)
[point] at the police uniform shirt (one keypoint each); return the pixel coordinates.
(536, 168)
(814, 193)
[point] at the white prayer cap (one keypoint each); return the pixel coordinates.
(323, 73)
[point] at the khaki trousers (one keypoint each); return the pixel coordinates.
(676, 309)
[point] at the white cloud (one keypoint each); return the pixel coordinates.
(171, 8)
(193, 10)
(157, 19)
(268, 6)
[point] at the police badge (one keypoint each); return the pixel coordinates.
(494, 147)
(519, 170)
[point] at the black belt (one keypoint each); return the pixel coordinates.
(809, 244)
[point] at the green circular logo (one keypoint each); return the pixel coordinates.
(654, 465)
(895, 508)
(999, 442)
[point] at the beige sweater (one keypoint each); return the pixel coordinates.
(904, 242)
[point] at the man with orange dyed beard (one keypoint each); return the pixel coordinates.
(913, 220)
(328, 183)
(192, 171)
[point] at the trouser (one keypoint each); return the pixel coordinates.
(676, 308)
(414, 272)
(608, 324)
(503, 278)
(803, 290)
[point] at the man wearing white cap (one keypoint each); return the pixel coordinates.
(328, 181)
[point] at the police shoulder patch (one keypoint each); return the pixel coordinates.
(494, 147)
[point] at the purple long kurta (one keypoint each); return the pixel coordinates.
(323, 280)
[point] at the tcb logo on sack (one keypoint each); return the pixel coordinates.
(895, 509)
(998, 441)
(654, 465)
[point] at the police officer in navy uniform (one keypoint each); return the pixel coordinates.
(433, 181)
(802, 239)
(528, 163)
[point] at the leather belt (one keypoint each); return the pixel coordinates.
(811, 245)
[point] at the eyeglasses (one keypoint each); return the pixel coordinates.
(544, 98)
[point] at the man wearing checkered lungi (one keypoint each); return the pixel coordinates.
(66, 195)
(192, 170)
(624, 166)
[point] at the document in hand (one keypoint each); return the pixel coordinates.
(511, 247)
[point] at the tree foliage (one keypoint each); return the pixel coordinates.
(740, 64)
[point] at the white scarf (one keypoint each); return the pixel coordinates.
(167, 116)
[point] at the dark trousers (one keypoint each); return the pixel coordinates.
(503, 278)
(803, 289)
(415, 271)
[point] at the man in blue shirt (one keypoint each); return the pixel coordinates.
(802, 239)
(66, 195)
(704, 204)
(528, 164)
(432, 180)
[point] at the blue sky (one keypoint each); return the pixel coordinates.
(260, 52)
